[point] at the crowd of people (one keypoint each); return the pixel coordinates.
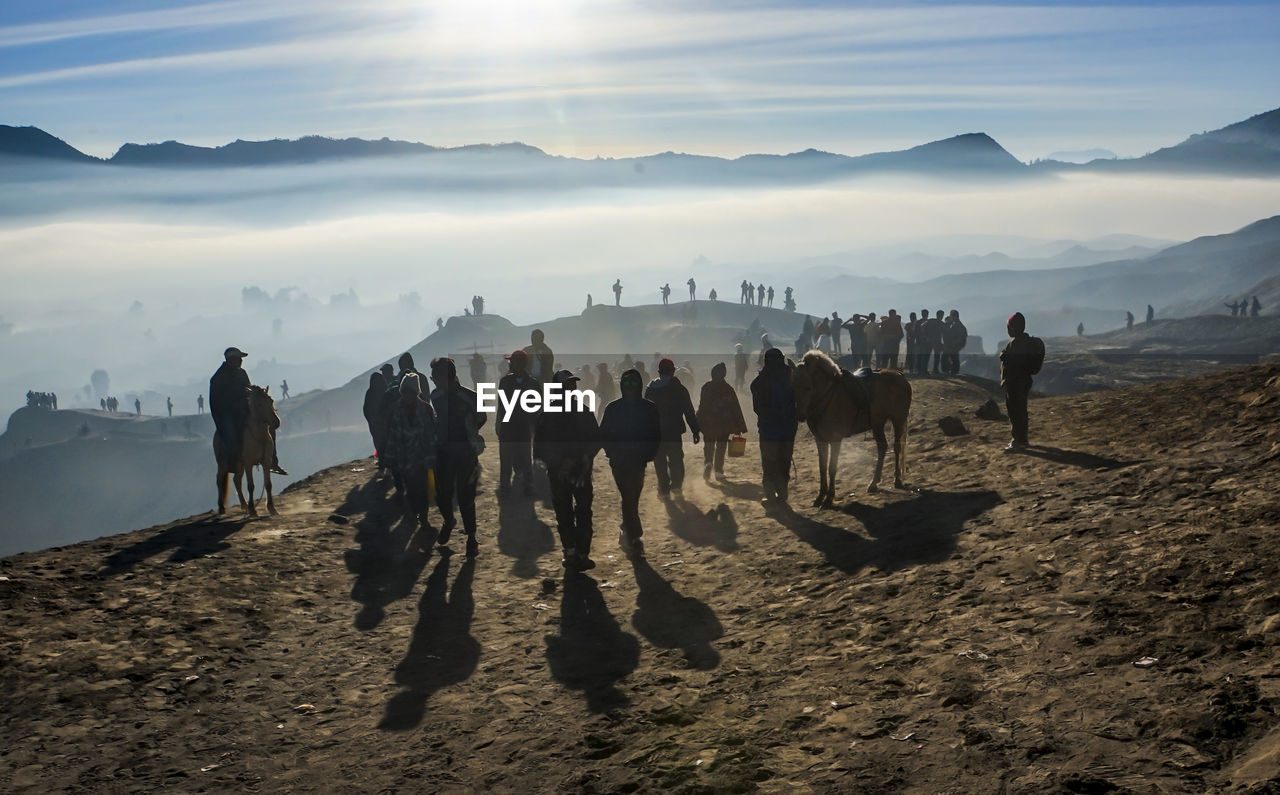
(427, 433)
(42, 400)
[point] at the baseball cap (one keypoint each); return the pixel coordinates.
(233, 352)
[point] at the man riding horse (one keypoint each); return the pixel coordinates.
(229, 404)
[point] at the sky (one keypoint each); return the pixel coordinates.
(624, 77)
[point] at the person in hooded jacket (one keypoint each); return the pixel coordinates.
(720, 416)
(1016, 363)
(630, 434)
(774, 399)
(675, 408)
(567, 442)
(458, 448)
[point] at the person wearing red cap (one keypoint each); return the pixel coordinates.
(675, 408)
(1018, 362)
(515, 433)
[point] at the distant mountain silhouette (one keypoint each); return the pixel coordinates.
(1082, 155)
(1250, 147)
(33, 142)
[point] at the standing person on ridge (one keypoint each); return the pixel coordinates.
(567, 442)
(617, 292)
(675, 408)
(630, 432)
(720, 416)
(692, 288)
(1017, 365)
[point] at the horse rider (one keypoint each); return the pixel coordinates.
(229, 404)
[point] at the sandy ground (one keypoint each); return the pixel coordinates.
(980, 632)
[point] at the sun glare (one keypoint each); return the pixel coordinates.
(507, 26)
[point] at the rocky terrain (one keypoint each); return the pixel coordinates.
(1097, 615)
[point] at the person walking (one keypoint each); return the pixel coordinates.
(567, 442)
(675, 408)
(458, 448)
(541, 360)
(515, 434)
(411, 438)
(390, 398)
(1018, 363)
(372, 399)
(719, 416)
(630, 434)
(606, 388)
(774, 400)
(740, 362)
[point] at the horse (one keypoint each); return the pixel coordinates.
(823, 403)
(257, 448)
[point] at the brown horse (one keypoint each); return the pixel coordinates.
(826, 406)
(257, 448)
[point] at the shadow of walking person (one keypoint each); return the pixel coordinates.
(442, 651)
(716, 527)
(592, 652)
(392, 554)
(1077, 458)
(670, 620)
(523, 536)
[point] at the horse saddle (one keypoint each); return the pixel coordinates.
(861, 386)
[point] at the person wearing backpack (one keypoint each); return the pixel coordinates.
(1021, 359)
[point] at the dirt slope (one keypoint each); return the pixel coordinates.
(976, 634)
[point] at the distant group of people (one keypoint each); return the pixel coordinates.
(1239, 308)
(109, 404)
(42, 400)
(878, 341)
(751, 294)
(477, 305)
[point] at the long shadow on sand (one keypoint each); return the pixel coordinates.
(1077, 458)
(522, 535)
(188, 541)
(592, 652)
(752, 492)
(670, 620)
(393, 552)
(715, 528)
(922, 529)
(442, 651)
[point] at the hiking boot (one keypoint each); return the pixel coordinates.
(585, 563)
(279, 470)
(473, 547)
(1015, 447)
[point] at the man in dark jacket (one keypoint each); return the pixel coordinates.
(567, 442)
(411, 438)
(774, 401)
(1017, 360)
(458, 447)
(675, 408)
(630, 433)
(229, 403)
(515, 435)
